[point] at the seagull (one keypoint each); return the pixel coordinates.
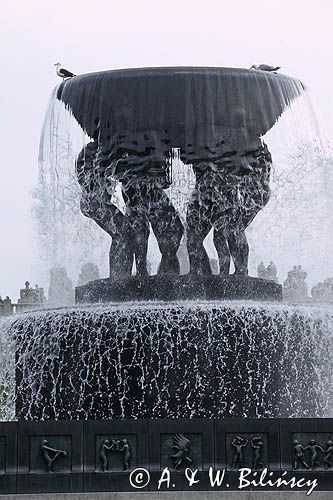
(266, 67)
(62, 72)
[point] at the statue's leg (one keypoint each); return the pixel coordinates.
(132, 240)
(169, 231)
(114, 222)
(169, 241)
(140, 234)
(134, 197)
(198, 228)
(236, 237)
(222, 248)
(239, 249)
(254, 193)
(120, 257)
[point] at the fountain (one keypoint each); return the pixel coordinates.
(136, 120)
(125, 360)
(174, 344)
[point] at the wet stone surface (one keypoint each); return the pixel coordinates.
(168, 361)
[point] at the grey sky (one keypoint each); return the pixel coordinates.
(90, 36)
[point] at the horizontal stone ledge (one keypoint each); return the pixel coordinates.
(179, 288)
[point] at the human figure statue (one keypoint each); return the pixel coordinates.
(116, 446)
(323, 292)
(267, 273)
(318, 292)
(89, 272)
(294, 287)
(102, 454)
(125, 448)
(232, 186)
(328, 454)
(50, 454)
(313, 448)
(272, 272)
(299, 455)
(105, 447)
(257, 445)
(146, 200)
(181, 445)
(144, 168)
(143, 176)
(129, 237)
(230, 190)
(301, 273)
(7, 306)
(40, 293)
(238, 443)
(262, 271)
(61, 291)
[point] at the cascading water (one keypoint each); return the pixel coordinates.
(299, 209)
(168, 160)
(186, 360)
(168, 360)
(7, 370)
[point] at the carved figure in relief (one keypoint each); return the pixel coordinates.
(328, 453)
(313, 448)
(238, 443)
(181, 445)
(50, 454)
(257, 445)
(299, 455)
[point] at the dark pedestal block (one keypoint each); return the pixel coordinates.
(54, 483)
(8, 457)
(163, 454)
(66, 470)
(112, 475)
(174, 288)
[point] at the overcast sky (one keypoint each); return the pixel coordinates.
(106, 34)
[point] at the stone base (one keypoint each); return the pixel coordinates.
(175, 288)
(153, 464)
